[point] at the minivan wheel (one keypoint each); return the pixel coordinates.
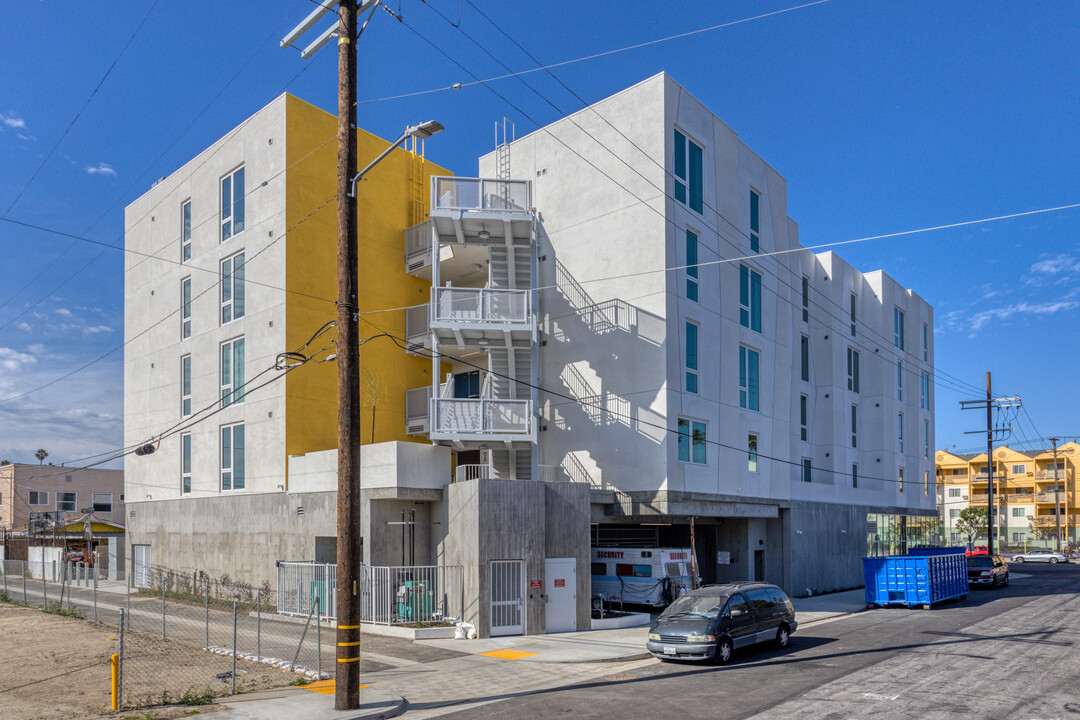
(724, 651)
(782, 636)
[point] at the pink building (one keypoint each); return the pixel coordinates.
(31, 489)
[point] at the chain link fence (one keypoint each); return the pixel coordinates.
(183, 638)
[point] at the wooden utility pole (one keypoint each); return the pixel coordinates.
(347, 687)
(1057, 499)
(989, 467)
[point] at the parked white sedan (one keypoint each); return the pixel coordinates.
(1040, 556)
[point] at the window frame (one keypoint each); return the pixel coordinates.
(750, 298)
(185, 308)
(749, 387)
(62, 504)
(752, 440)
(853, 370)
(926, 342)
(805, 299)
(804, 417)
(898, 327)
(235, 202)
(232, 295)
(900, 380)
(807, 470)
(185, 385)
(185, 230)
(94, 502)
(854, 304)
(804, 357)
(854, 475)
(926, 439)
(900, 432)
(185, 463)
(693, 440)
(900, 477)
(692, 243)
(755, 220)
(854, 425)
(1021, 471)
(232, 392)
(30, 498)
(955, 492)
(690, 356)
(229, 463)
(924, 390)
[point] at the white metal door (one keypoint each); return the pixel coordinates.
(507, 593)
(560, 587)
(142, 566)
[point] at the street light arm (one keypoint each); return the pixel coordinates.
(376, 161)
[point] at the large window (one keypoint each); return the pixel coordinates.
(853, 370)
(1019, 512)
(232, 372)
(692, 439)
(232, 288)
(755, 221)
(751, 452)
(185, 463)
(898, 328)
(854, 426)
(688, 172)
(185, 231)
(185, 308)
(1019, 469)
(691, 357)
(102, 502)
(749, 362)
(804, 354)
(66, 501)
(804, 431)
(924, 391)
(185, 385)
(232, 457)
(749, 298)
(39, 497)
(232, 204)
(691, 266)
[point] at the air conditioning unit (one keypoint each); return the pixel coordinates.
(419, 426)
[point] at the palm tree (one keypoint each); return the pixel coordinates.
(41, 454)
(4, 462)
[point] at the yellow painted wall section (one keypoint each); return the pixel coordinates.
(387, 206)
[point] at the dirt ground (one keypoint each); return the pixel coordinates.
(57, 668)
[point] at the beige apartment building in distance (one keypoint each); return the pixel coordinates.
(27, 489)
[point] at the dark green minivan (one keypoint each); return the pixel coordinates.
(713, 621)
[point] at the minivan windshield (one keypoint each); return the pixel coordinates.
(706, 606)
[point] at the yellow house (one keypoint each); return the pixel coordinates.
(1033, 498)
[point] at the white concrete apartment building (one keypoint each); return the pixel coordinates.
(621, 332)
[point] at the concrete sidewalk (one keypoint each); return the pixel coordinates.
(825, 607)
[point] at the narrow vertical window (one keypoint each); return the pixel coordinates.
(805, 299)
(751, 452)
(755, 221)
(804, 343)
(854, 426)
(185, 308)
(185, 231)
(185, 385)
(852, 313)
(680, 167)
(698, 437)
(899, 379)
(925, 342)
(688, 171)
(901, 479)
(691, 357)
(807, 470)
(749, 298)
(749, 367)
(232, 204)
(697, 194)
(803, 417)
(232, 457)
(853, 370)
(854, 475)
(232, 288)
(185, 463)
(232, 372)
(924, 391)
(926, 439)
(684, 440)
(898, 328)
(691, 266)
(900, 432)
(926, 482)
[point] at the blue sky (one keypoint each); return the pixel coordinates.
(883, 117)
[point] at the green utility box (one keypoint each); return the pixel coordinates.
(414, 600)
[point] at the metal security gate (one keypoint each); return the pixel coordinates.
(507, 593)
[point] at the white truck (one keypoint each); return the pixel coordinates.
(639, 576)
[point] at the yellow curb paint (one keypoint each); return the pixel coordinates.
(325, 687)
(507, 654)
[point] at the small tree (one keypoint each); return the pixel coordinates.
(41, 454)
(972, 522)
(1041, 531)
(4, 462)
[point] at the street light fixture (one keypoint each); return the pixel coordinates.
(421, 132)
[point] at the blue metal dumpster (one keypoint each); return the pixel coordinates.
(915, 579)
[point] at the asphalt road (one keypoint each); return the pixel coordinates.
(1005, 653)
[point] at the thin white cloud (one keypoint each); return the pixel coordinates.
(64, 312)
(25, 327)
(37, 349)
(13, 360)
(24, 136)
(96, 329)
(980, 319)
(12, 120)
(1056, 265)
(102, 169)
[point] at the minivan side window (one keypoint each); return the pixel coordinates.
(761, 600)
(777, 596)
(737, 602)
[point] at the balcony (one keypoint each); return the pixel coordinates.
(417, 330)
(482, 211)
(468, 317)
(1049, 474)
(471, 471)
(479, 419)
(1052, 497)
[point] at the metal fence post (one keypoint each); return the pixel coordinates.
(95, 569)
(25, 570)
(44, 590)
(162, 607)
(207, 613)
(258, 625)
(318, 633)
(3, 571)
(120, 671)
(234, 647)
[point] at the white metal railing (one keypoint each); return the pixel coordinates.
(403, 595)
(416, 321)
(482, 416)
(417, 403)
(456, 193)
(470, 471)
(482, 305)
